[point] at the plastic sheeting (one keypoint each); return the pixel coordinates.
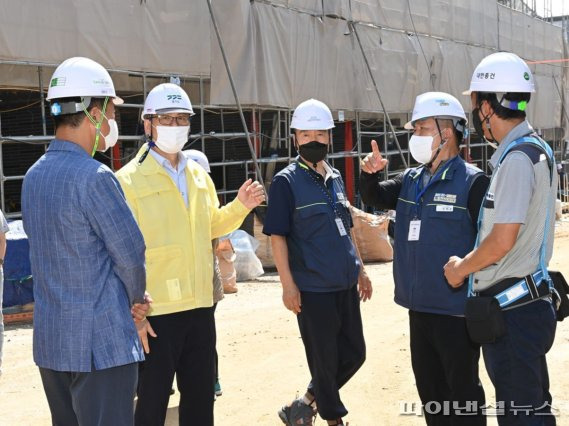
(159, 36)
(297, 51)
(466, 21)
(283, 51)
(320, 58)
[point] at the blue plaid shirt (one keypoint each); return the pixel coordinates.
(87, 258)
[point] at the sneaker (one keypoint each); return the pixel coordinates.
(217, 388)
(297, 413)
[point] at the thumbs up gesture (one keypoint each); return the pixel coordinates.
(373, 162)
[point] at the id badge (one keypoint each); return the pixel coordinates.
(414, 230)
(341, 227)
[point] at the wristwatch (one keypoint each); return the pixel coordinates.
(1, 261)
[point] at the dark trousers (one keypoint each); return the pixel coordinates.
(216, 366)
(99, 398)
(445, 364)
(517, 366)
(185, 346)
(331, 329)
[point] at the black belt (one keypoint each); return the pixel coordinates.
(512, 292)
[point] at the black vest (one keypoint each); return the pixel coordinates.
(320, 259)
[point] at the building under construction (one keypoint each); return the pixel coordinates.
(247, 63)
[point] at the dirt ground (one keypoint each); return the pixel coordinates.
(262, 363)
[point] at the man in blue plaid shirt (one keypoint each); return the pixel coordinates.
(87, 258)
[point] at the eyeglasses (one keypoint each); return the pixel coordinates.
(168, 120)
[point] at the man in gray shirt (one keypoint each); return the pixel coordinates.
(3, 230)
(515, 241)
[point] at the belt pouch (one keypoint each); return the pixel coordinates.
(561, 299)
(484, 319)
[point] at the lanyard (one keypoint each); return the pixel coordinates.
(332, 199)
(419, 193)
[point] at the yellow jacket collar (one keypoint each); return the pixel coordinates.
(149, 166)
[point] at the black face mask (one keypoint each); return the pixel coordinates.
(477, 123)
(313, 152)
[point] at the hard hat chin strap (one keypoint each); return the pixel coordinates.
(440, 147)
(151, 143)
(486, 120)
(95, 123)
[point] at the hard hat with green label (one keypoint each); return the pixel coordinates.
(79, 78)
(502, 72)
(438, 105)
(167, 98)
(73, 85)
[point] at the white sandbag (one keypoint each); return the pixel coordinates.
(247, 264)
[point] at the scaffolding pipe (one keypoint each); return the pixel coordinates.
(349, 161)
(202, 118)
(564, 112)
(42, 101)
(133, 73)
(386, 115)
(243, 121)
(2, 179)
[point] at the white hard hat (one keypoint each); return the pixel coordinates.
(199, 157)
(502, 72)
(81, 78)
(438, 105)
(312, 115)
(167, 97)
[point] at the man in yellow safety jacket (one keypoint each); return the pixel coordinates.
(175, 204)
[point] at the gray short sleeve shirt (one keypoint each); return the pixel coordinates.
(514, 189)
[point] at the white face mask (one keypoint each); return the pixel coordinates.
(171, 139)
(421, 148)
(113, 136)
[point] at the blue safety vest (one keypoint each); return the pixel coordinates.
(320, 259)
(446, 229)
(538, 284)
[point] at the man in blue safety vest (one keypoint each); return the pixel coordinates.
(509, 282)
(437, 206)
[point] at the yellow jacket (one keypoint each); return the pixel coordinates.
(179, 260)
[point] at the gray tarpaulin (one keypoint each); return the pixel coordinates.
(283, 51)
(293, 51)
(160, 36)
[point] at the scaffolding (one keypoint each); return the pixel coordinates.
(223, 130)
(253, 139)
(218, 133)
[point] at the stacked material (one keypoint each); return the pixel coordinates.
(371, 236)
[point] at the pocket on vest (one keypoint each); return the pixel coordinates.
(314, 221)
(327, 258)
(450, 225)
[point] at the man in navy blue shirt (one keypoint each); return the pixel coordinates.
(319, 266)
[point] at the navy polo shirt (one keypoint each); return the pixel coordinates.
(305, 209)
